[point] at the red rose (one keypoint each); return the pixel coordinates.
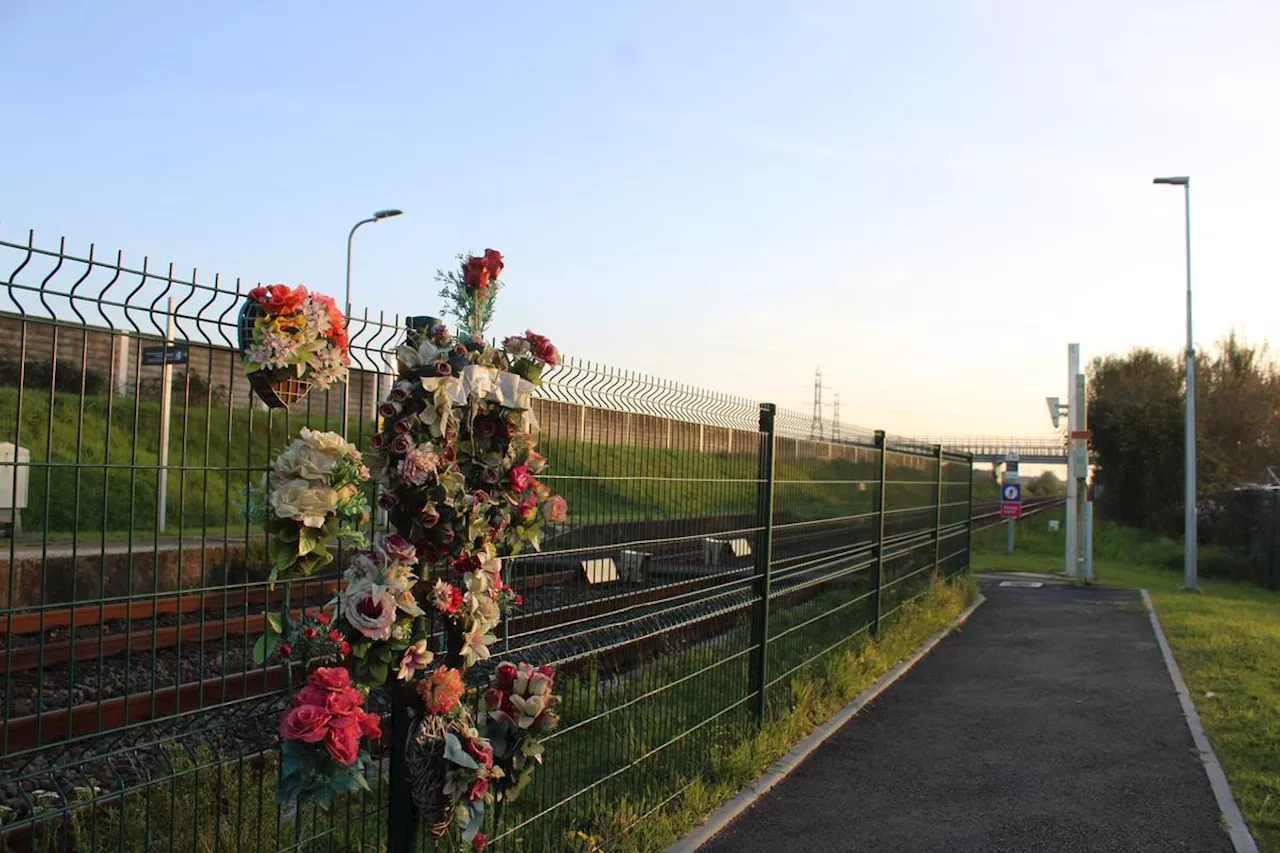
(345, 648)
(309, 633)
(546, 670)
(258, 294)
(312, 695)
(506, 676)
(306, 723)
(486, 427)
(475, 273)
(322, 618)
(478, 789)
(335, 636)
(481, 752)
(480, 841)
(343, 743)
(493, 263)
(519, 478)
(493, 698)
(371, 726)
(286, 649)
(344, 703)
(519, 600)
(330, 677)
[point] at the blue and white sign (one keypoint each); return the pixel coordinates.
(1011, 493)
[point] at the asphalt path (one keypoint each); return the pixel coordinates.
(1047, 723)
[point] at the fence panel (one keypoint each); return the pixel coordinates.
(716, 551)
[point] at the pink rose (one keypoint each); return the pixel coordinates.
(312, 695)
(478, 789)
(556, 509)
(493, 698)
(527, 508)
(519, 478)
(535, 461)
(306, 723)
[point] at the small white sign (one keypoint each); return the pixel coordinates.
(741, 547)
(600, 571)
(1022, 584)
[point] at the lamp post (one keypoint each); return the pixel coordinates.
(346, 309)
(1189, 510)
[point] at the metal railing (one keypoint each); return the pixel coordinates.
(714, 555)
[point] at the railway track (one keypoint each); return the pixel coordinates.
(206, 620)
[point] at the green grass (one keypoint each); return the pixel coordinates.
(1226, 641)
(95, 465)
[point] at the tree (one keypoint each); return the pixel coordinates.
(1136, 417)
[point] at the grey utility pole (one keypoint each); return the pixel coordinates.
(1189, 581)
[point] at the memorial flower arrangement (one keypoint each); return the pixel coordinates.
(300, 333)
(456, 462)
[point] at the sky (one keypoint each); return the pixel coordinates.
(928, 200)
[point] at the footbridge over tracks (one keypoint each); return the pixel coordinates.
(1030, 451)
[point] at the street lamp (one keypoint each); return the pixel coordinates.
(381, 214)
(1189, 517)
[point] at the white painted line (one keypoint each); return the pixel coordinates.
(723, 816)
(1236, 827)
(1022, 584)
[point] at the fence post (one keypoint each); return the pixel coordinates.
(968, 533)
(877, 565)
(763, 563)
(937, 518)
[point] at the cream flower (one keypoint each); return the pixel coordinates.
(301, 501)
(476, 647)
(300, 460)
(327, 442)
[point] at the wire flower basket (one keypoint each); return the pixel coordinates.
(278, 388)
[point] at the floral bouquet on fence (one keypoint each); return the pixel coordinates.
(291, 340)
(456, 463)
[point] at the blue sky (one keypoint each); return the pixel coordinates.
(909, 194)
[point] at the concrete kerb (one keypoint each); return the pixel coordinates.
(1236, 826)
(723, 816)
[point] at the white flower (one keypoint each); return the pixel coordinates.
(410, 357)
(476, 647)
(301, 501)
(478, 381)
(362, 566)
(316, 316)
(276, 350)
(511, 391)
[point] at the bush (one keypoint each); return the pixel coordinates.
(39, 375)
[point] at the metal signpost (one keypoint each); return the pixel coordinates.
(1011, 496)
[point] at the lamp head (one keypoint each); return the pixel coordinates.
(1178, 181)
(387, 214)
